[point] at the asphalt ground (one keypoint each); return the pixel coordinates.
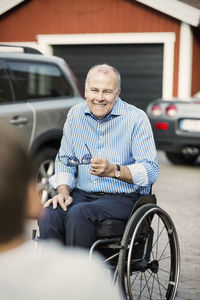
(178, 193)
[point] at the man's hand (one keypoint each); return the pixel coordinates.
(63, 198)
(100, 166)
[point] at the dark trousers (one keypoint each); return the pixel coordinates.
(76, 226)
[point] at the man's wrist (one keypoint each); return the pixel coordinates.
(113, 170)
(117, 172)
(64, 190)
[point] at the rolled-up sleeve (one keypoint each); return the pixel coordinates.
(62, 178)
(64, 174)
(139, 174)
(145, 170)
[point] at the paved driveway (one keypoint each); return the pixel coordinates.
(178, 192)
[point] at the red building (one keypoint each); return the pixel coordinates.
(155, 44)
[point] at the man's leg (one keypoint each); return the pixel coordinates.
(81, 218)
(51, 221)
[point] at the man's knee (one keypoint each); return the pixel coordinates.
(50, 215)
(51, 224)
(79, 210)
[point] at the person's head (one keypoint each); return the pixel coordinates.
(17, 187)
(102, 88)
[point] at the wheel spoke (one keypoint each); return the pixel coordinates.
(167, 272)
(163, 250)
(152, 286)
(159, 286)
(146, 284)
(137, 274)
(157, 238)
(157, 280)
(156, 241)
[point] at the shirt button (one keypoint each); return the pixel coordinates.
(95, 182)
(101, 137)
(99, 153)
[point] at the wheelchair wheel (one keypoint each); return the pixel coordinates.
(149, 261)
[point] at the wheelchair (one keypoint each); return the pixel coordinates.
(143, 253)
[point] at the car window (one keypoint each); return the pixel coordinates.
(39, 80)
(5, 88)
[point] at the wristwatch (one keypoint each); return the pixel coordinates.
(117, 172)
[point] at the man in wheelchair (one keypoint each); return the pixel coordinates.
(107, 160)
(104, 171)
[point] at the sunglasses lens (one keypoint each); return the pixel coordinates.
(72, 161)
(86, 159)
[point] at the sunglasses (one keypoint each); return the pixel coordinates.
(71, 161)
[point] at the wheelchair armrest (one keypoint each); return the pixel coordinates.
(146, 199)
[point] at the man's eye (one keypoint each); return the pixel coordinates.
(108, 92)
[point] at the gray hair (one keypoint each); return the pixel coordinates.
(103, 71)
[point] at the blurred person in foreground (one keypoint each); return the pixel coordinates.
(46, 272)
(111, 144)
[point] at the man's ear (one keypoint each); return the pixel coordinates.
(33, 203)
(85, 92)
(118, 92)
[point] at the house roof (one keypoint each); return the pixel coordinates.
(187, 11)
(194, 3)
(6, 5)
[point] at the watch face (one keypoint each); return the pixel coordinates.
(117, 174)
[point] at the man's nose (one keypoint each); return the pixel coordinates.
(100, 96)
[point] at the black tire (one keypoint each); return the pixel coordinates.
(153, 272)
(44, 166)
(181, 159)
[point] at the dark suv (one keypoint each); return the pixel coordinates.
(36, 92)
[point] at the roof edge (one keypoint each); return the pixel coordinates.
(6, 5)
(175, 9)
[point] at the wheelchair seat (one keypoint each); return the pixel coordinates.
(111, 228)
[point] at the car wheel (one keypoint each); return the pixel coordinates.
(181, 159)
(44, 164)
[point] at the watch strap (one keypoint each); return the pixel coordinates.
(118, 167)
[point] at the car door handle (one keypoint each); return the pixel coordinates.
(19, 121)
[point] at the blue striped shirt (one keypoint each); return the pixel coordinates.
(123, 137)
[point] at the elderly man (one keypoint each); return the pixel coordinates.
(109, 144)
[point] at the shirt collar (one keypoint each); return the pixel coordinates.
(116, 111)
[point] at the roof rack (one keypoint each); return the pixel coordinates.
(18, 49)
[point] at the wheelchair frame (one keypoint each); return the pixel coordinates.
(143, 254)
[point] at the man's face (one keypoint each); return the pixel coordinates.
(101, 92)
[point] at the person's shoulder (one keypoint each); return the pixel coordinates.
(78, 108)
(72, 264)
(54, 266)
(131, 110)
(52, 249)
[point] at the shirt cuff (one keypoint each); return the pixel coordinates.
(139, 174)
(62, 178)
